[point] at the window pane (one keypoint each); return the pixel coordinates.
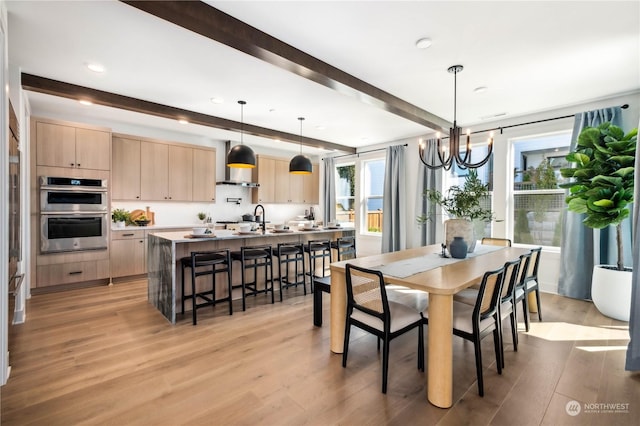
(373, 189)
(538, 203)
(538, 218)
(345, 193)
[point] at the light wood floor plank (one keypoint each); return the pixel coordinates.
(104, 356)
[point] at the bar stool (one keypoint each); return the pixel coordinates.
(200, 259)
(254, 257)
(288, 253)
(317, 249)
(344, 246)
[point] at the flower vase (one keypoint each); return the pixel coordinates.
(458, 248)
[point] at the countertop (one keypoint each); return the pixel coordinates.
(154, 227)
(184, 237)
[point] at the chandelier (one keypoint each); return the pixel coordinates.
(450, 153)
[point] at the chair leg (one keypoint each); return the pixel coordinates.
(476, 347)
(497, 344)
(514, 330)
(539, 306)
(347, 330)
(385, 362)
(525, 312)
(421, 348)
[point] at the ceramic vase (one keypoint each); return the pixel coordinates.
(458, 248)
(460, 228)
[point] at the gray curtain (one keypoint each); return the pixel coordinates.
(427, 179)
(393, 202)
(580, 251)
(633, 350)
(329, 193)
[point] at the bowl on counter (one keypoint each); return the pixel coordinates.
(199, 231)
(142, 222)
(244, 227)
(278, 226)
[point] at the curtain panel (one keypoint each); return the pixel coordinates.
(583, 247)
(393, 201)
(633, 350)
(329, 190)
(427, 179)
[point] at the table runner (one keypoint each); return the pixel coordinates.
(407, 267)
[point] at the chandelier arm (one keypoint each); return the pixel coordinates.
(422, 153)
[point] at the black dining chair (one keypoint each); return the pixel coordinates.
(528, 283)
(369, 309)
(476, 322)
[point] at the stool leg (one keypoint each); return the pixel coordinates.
(230, 287)
(193, 293)
(280, 275)
(317, 307)
(182, 295)
(271, 276)
(304, 279)
(244, 306)
(213, 290)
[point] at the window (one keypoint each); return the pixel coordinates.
(345, 193)
(538, 203)
(373, 179)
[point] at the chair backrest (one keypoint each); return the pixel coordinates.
(532, 269)
(488, 295)
(366, 292)
(346, 246)
(511, 276)
(496, 241)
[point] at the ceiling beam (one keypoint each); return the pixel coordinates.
(48, 86)
(216, 25)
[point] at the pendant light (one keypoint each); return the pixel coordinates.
(241, 156)
(300, 164)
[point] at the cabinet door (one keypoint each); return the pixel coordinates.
(204, 175)
(125, 175)
(264, 174)
(312, 186)
(55, 145)
(180, 173)
(282, 182)
(296, 188)
(93, 149)
(154, 163)
(127, 257)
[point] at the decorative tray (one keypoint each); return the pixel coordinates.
(312, 229)
(247, 232)
(281, 231)
(200, 236)
(333, 227)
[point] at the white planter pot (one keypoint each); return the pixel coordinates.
(120, 224)
(460, 228)
(611, 292)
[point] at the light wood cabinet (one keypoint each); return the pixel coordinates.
(279, 186)
(128, 253)
(156, 171)
(264, 174)
(68, 273)
(126, 169)
(154, 179)
(180, 173)
(59, 145)
(204, 175)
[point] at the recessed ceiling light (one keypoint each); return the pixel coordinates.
(217, 100)
(320, 127)
(423, 43)
(480, 89)
(95, 67)
(182, 121)
(85, 102)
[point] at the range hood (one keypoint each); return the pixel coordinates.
(236, 176)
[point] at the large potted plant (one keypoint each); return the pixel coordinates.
(602, 189)
(463, 205)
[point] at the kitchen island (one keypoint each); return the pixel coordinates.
(165, 249)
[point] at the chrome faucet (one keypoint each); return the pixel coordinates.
(255, 213)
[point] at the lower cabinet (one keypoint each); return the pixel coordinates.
(128, 253)
(68, 273)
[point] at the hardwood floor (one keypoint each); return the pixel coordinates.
(104, 356)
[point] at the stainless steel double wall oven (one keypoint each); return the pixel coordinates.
(74, 214)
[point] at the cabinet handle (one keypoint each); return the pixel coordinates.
(75, 272)
(137, 196)
(128, 235)
(78, 164)
(141, 241)
(72, 164)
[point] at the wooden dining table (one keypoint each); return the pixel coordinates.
(441, 281)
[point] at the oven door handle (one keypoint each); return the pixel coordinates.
(73, 188)
(73, 213)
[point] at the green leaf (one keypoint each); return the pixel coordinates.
(604, 203)
(578, 205)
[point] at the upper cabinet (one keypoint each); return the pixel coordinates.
(59, 145)
(157, 171)
(279, 186)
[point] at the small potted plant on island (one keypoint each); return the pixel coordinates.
(463, 204)
(120, 217)
(602, 189)
(202, 216)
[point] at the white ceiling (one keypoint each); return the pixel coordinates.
(531, 56)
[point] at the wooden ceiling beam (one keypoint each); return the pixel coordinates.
(216, 25)
(48, 86)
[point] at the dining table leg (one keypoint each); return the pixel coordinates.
(440, 350)
(338, 310)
